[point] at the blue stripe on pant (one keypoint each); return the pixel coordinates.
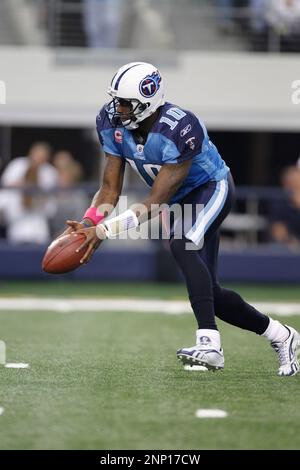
(203, 210)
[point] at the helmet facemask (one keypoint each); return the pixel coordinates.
(135, 114)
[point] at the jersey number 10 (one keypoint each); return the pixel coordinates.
(176, 113)
(148, 170)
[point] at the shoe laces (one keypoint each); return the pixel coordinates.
(282, 351)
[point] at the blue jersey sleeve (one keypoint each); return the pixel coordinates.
(108, 135)
(185, 140)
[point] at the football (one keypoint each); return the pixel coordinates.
(61, 256)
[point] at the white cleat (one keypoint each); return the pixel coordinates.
(287, 352)
(205, 353)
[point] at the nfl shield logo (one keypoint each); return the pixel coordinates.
(139, 154)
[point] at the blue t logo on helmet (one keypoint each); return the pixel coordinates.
(150, 85)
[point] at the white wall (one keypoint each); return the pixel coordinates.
(228, 91)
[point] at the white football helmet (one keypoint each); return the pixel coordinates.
(138, 85)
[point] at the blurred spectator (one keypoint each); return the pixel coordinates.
(230, 13)
(43, 7)
(103, 22)
(69, 203)
(25, 214)
(225, 14)
(69, 170)
(285, 214)
(38, 158)
(283, 17)
(257, 16)
(258, 25)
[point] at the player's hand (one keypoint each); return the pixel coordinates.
(73, 226)
(92, 242)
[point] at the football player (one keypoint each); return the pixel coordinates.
(170, 149)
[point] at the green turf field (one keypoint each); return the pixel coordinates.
(55, 288)
(111, 380)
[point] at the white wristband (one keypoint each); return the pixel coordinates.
(119, 224)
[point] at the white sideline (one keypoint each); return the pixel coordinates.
(169, 307)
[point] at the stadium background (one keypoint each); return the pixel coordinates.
(106, 377)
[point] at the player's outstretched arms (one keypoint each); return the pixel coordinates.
(169, 178)
(104, 202)
(106, 198)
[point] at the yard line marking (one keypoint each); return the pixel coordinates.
(16, 365)
(1, 410)
(202, 413)
(71, 305)
(169, 307)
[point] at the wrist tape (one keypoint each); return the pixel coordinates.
(121, 223)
